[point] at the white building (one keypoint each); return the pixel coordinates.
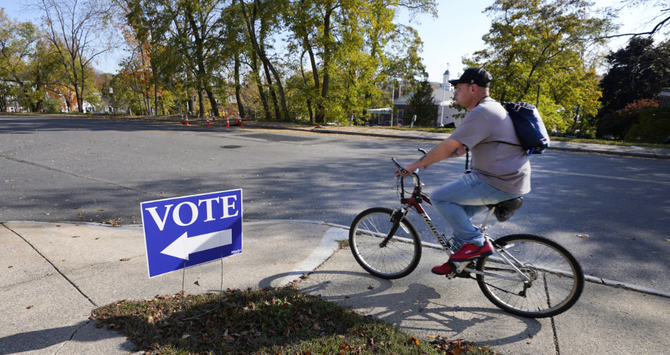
(443, 97)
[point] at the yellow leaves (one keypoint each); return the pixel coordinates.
(415, 341)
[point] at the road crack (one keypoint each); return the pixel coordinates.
(75, 175)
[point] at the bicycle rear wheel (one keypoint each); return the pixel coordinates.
(556, 278)
(383, 256)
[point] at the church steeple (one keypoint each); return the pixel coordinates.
(445, 78)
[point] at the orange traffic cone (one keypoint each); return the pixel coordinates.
(241, 123)
(247, 117)
(186, 124)
(182, 119)
(207, 122)
(227, 122)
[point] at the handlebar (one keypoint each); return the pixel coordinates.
(402, 170)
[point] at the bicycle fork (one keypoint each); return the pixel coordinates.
(397, 216)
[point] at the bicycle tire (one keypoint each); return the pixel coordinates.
(397, 258)
(557, 278)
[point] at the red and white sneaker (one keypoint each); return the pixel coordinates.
(443, 269)
(469, 251)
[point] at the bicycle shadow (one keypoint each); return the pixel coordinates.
(421, 308)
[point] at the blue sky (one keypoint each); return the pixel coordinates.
(456, 33)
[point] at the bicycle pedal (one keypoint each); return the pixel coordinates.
(463, 275)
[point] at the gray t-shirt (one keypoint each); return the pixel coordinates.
(503, 166)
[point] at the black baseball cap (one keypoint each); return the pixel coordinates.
(478, 76)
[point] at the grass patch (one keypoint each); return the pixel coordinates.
(609, 142)
(269, 321)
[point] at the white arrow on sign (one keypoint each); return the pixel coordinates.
(184, 246)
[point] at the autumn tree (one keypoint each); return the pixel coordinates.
(17, 45)
(79, 31)
(636, 75)
(538, 52)
(354, 47)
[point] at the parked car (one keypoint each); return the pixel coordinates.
(388, 123)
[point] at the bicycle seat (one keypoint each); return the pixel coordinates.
(505, 209)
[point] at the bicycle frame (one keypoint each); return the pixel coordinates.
(415, 201)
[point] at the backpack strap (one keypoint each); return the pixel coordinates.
(467, 160)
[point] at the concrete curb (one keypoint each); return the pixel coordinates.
(617, 284)
(588, 278)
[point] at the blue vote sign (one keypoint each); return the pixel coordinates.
(191, 230)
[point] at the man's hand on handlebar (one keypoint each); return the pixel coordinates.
(403, 172)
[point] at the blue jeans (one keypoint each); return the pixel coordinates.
(458, 201)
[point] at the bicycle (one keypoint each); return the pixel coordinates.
(527, 275)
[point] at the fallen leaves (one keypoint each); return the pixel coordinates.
(456, 347)
(113, 222)
(280, 317)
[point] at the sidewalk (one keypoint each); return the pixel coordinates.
(53, 275)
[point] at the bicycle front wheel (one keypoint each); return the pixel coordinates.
(379, 253)
(554, 277)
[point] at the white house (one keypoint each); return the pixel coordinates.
(443, 97)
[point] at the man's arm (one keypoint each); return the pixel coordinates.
(448, 148)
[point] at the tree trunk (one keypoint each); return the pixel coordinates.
(321, 115)
(273, 95)
(155, 92)
(238, 96)
(261, 53)
(202, 104)
(259, 84)
(304, 79)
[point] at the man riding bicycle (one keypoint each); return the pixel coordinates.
(500, 170)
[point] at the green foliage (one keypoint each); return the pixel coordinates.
(17, 45)
(617, 123)
(422, 104)
(537, 53)
(653, 125)
(637, 72)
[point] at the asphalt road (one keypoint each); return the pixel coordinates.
(611, 212)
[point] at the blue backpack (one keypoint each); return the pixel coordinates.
(529, 127)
